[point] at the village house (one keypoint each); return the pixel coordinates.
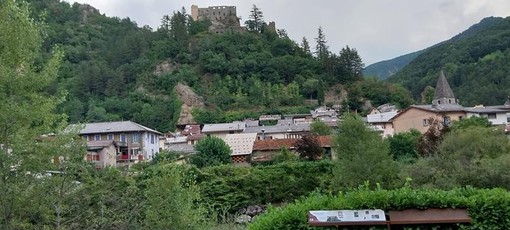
(381, 123)
(133, 142)
(496, 114)
(241, 145)
(444, 108)
(102, 153)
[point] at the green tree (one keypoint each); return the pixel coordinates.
(350, 59)
(362, 156)
(172, 199)
(320, 128)
(211, 151)
(427, 95)
(321, 48)
(309, 147)
(310, 88)
(107, 199)
(471, 122)
(256, 22)
(27, 111)
(285, 155)
(404, 146)
(305, 46)
(477, 156)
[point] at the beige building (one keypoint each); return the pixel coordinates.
(444, 108)
(102, 153)
(241, 145)
(420, 117)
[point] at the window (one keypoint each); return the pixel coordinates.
(460, 118)
(152, 138)
(426, 122)
(446, 121)
(97, 137)
(135, 137)
(122, 137)
(110, 137)
(86, 137)
(491, 115)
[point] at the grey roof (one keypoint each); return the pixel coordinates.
(222, 127)
(181, 148)
(178, 139)
(115, 127)
(386, 108)
(443, 89)
(281, 128)
(440, 107)
(322, 112)
(488, 109)
(380, 117)
(250, 123)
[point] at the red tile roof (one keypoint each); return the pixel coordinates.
(274, 144)
(324, 141)
(191, 130)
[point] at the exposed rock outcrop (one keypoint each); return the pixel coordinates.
(87, 10)
(167, 66)
(335, 96)
(190, 100)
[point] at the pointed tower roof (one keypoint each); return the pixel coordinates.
(507, 102)
(443, 89)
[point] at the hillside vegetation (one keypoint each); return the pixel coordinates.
(109, 68)
(475, 63)
(383, 69)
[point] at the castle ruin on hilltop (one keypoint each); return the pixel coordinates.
(217, 13)
(222, 18)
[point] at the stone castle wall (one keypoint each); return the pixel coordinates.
(218, 13)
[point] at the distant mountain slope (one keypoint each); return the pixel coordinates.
(384, 69)
(476, 64)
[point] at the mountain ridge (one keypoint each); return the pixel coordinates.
(474, 63)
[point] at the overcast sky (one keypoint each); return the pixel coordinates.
(378, 29)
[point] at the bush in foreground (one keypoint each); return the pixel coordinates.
(488, 208)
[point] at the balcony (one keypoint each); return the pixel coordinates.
(126, 157)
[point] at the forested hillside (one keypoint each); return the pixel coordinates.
(475, 63)
(109, 68)
(384, 69)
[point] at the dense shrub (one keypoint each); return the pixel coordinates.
(229, 187)
(489, 209)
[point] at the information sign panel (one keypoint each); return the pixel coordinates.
(328, 216)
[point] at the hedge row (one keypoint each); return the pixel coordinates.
(488, 208)
(231, 188)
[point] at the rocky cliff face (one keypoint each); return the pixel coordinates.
(87, 10)
(190, 100)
